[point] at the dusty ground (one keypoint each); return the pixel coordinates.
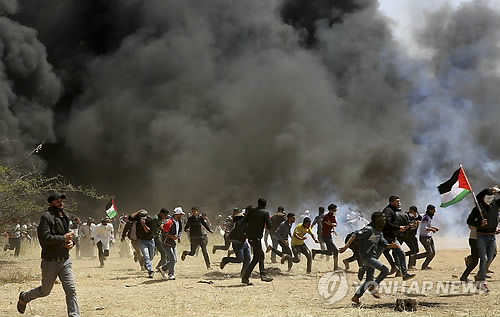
(120, 289)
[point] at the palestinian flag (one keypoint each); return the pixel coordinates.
(455, 189)
(111, 209)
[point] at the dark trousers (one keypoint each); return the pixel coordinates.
(14, 244)
(242, 252)
(331, 249)
(430, 251)
(355, 255)
(163, 255)
(412, 243)
(199, 242)
(225, 247)
(302, 248)
(258, 258)
(473, 259)
(399, 257)
(285, 250)
(102, 253)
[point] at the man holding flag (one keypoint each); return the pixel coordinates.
(483, 217)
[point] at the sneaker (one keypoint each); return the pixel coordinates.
(426, 268)
(171, 277)
(284, 258)
(21, 305)
(150, 274)
(346, 264)
(214, 249)
(464, 279)
(183, 256)
(482, 285)
(408, 276)
(161, 272)
(313, 253)
(265, 278)
(355, 300)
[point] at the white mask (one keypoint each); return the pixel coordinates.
(488, 199)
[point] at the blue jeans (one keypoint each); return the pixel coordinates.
(148, 252)
(50, 271)
(242, 252)
(370, 264)
(171, 253)
(486, 245)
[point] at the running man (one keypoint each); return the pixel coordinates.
(370, 240)
(193, 225)
(328, 228)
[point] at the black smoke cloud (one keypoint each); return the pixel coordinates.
(28, 86)
(217, 103)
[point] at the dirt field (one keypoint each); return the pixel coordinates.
(120, 289)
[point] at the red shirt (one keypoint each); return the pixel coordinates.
(326, 230)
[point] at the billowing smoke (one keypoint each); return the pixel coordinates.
(216, 103)
(28, 86)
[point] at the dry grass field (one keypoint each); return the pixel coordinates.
(120, 289)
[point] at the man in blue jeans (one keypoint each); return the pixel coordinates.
(171, 235)
(370, 239)
(485, 220)
(240, 245)
(56, 240)
(328, 225)
(145, 237)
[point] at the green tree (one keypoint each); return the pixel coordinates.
(24, 190)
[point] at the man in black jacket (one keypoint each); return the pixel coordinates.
(193, 225)
(145, 236)
(256, 220)
(391, 228)
(56, 240)
(486, 222)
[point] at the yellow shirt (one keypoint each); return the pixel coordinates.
(301, 232)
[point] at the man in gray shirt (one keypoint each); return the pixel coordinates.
(282, 234)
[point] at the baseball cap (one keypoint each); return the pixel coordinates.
(55, 196)
(178, 211)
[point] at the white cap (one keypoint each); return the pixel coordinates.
(178, 211)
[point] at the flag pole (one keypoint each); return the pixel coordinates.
(473, 194)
